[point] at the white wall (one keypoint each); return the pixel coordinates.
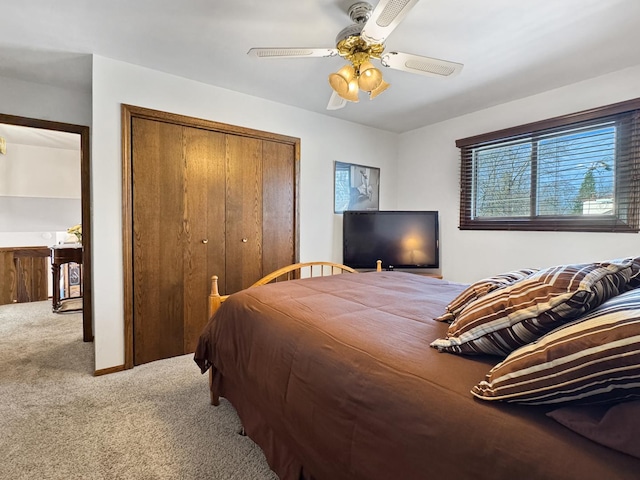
(44, 102)
(428, 178)
(36, 171)
(39, 194)
(323, 140)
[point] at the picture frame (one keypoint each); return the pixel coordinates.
(71, 281)
(356, 187)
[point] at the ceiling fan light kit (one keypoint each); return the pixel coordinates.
(365, 76)
(370, 77)
(381, 88)
(361, 42)
(345, 83)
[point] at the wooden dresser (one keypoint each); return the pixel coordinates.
(61, 255)
(24, 274)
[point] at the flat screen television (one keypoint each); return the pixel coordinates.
(401, 239)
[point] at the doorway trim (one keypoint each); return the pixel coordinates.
(85, 192)
(128, 113)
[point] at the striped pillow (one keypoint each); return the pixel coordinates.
(480, 289)
(518, 314)
(594, 359)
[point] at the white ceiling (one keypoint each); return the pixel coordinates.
(510, 49)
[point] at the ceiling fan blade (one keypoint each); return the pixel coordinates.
(292, 52)
(431, 67)
(336, 102)
(384, 19)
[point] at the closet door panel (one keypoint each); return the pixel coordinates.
(201, 199)
(216, 214)
(203, 249)
(158, 183)
(243, 213)
(278, 207)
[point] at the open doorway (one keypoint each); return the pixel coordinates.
(72, 133)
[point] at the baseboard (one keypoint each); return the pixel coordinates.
(106, 371)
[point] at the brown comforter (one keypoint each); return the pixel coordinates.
(334, 378)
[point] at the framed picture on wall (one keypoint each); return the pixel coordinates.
(356, 187)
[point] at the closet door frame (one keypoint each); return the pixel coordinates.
(128, 113)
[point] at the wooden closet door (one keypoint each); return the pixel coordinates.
(206, 199)
(260, 217)
(278, 206)
(204, 203)
(179, 204)
(243, 213)
(204, 225)
(158, 263)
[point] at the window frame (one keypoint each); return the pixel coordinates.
(534, 222)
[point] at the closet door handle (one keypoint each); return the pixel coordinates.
(245, 240)
(205, 241)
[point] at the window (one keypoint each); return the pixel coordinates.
(575, 173)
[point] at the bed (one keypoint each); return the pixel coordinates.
(335, 377)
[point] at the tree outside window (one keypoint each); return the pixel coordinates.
(573, 175)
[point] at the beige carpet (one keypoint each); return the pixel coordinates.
(58, 421)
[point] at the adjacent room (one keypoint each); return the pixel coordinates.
(476, 165)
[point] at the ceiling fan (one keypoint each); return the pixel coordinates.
(361, 42)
